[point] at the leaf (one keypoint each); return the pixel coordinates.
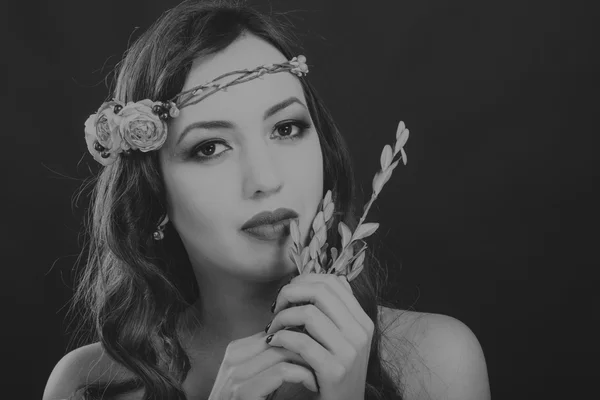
(322, 235)
(327, 198)
(323, 259)
(378, 182)
(361, 251)
(342, 260)
(403, 155)
(387, 175)
(309, 267)
(295, 231)
(296, 260)
(365, 230)
(355, 273)
(334, 254)
(344, 231)
(403, 137)
(328, 212)
(401, 127)
(317, 266)
(314, 247)
(386, 157)
(397, 147)
(318, 221)
(291, 255)
(304, 256)
(359, 260)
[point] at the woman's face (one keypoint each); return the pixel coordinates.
(218, 178)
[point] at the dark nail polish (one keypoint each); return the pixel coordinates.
(280, 287)
(269, 338)
(273, 306)
(268, 326)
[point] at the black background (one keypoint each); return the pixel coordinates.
(493, 221)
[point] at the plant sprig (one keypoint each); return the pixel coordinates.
(314, 257)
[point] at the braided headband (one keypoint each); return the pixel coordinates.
(121, 128)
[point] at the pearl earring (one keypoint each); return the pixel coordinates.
(159, 234)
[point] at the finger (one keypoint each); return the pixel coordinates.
(315, 293)
(340, 286)
(322, 297)
(240, 350)
(265, 360)
(260, 386)
(325, 365)
(319, 326)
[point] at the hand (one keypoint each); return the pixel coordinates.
(339, 333)
(251, 370)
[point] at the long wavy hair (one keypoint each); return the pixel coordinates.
(132, 290)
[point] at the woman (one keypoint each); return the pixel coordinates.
(185, 310)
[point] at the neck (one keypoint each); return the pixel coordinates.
(230, 307)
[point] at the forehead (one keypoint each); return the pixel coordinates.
(247, 52)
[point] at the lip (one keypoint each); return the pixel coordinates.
(269, 218)
(270, 232)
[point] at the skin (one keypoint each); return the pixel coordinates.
(258, 170)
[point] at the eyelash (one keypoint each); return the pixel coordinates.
(303, 127)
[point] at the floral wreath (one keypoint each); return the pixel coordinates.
(121, 128)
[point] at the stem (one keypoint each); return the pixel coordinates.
(362, 219)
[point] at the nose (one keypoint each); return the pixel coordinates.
(261, 171)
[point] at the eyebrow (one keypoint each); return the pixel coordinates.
(230, 125)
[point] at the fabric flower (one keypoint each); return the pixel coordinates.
(141, 128)
(300, 67)
(173, 110)
(102, 128)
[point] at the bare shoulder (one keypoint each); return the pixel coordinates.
(433, 356)
(84, 365)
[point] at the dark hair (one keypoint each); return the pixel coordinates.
(133, 289)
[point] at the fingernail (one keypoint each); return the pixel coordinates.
(273, 306)
(269, 338)
(268, 326)
(280, 287)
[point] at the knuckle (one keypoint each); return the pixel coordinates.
(363, 338)
(304, 343)
(301, 342)
(236, 392)
(284, 368)
(337, 372)
(234, 374)
(311, 312)
(352, 353)
(325, 287)
(231, 348)
(284, 290)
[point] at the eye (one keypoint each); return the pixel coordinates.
(207, 150)
(285, 130)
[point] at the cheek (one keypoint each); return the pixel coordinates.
(197, 201)
(310, 175)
